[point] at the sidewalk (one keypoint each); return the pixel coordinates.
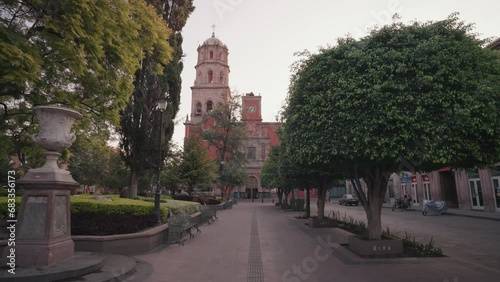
(465, 213)
(259, 242)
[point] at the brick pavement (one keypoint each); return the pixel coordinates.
(258, 242)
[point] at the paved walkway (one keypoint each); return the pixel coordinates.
(259, 242)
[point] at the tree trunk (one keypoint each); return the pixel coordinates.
(308, 203)
(280, 196)
(377, 186)
(132, 187)
(287, 192)
(226, 191)
(321, 198)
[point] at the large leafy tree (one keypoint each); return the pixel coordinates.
(93, 162)
(170, 175)
(270, 174)
(226, 135)
(407, 97)
(140, 122)
(196, 168)
(81, 54)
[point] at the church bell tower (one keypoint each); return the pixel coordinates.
(211, 85)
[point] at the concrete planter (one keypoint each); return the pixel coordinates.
(382, 247)
(123, 243)
(314, 222)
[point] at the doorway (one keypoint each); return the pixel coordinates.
(448, 188)
(414, 195)
(476, 194)
(252, 187)
(427, 191)
(496, 191)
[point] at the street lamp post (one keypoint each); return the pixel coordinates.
(162, 106)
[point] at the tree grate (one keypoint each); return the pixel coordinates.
(255, 273)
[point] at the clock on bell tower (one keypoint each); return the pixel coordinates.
(251, 108)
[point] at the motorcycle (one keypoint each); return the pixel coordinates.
(403, 204)
(435, 207)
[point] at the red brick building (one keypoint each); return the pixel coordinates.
(211, 87)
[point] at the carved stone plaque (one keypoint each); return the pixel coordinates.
(60, 223)
(33, 225)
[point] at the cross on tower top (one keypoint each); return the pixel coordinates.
(213, 30)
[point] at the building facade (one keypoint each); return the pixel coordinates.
(211, 87)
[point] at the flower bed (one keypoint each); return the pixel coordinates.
(411, 247)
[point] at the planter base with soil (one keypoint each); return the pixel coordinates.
(376, 248)
(314, 222)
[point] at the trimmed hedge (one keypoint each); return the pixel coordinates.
(117, 205)
(100, 224)
(115, 216)
(198, 199)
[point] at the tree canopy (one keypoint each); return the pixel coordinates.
(415, 97)
(80, 54)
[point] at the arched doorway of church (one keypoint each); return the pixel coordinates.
(252, 187)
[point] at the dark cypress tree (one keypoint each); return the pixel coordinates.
(140, 121)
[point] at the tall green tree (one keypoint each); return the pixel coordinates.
(170, 175)
(81, 54)
(226, 135)
(93, 162)
(407, 97)
(196, 168)
(140, 123)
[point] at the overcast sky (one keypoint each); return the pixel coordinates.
(262, 36)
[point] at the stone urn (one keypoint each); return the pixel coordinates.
(55, 127)
(55, 124)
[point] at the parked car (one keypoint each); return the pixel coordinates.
(349, 199)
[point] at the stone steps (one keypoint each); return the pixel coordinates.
(84, 267)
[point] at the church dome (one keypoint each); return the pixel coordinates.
(214, 41)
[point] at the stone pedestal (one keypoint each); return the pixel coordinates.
(43, 235)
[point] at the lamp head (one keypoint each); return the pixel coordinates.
(162, 104)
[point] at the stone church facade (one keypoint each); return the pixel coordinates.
(211, 86)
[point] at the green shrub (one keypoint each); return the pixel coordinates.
(420, 250)
(4, 209)
(204, 194)
(4, 192)
(177, 207)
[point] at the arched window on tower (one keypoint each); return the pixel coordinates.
(211, 55)
(222, 77)
(198, 108)
(209, 106)
(210, 76)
